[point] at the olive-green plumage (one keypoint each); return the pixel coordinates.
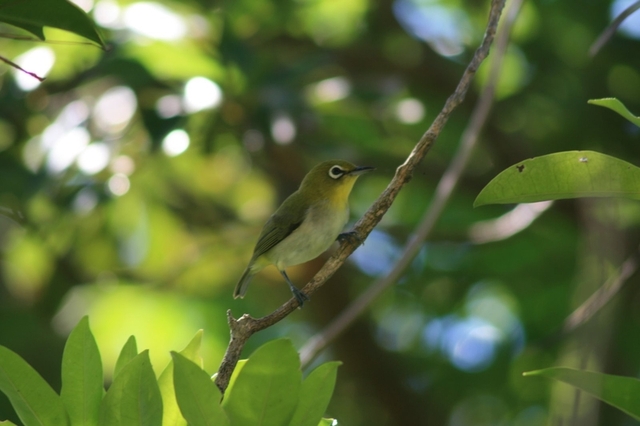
(306, 223)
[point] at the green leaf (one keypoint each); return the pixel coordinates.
(134, 397)
(82, 382)
(266, 390)
(570, 174)
(129, 351)
(33, 15)
(619, 391)
(35, 402)
(315, 395)
(232, 381)
(171, 415)
(617, 106)
(7, 423)
(197, 395)
(327, 422)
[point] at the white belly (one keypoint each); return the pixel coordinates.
(315, 235)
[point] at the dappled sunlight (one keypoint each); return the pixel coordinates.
(160, 321)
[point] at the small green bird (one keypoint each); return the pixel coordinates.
(306, 224)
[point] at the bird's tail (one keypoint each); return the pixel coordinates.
(243, 284)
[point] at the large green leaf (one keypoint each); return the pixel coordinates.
(82, 382)
(315, 395)
(266, 391)
(171, 415)
(619, 391)
(617, 106)
(33, 15)
(570, 174)
(129, 351)
(134, 397)
(35, 402)
(198, 396)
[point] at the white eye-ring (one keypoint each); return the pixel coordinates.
(336, 172)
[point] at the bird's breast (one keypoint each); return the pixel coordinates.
(319, 229)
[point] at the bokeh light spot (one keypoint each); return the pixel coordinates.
(119, 184)
(175, 143)
(155, 21)
(39, 61)
(94, 158)
(283, 129)
(115, 108)
(201, 93)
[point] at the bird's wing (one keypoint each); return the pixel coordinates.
(280, 225)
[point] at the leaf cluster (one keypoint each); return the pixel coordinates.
(267, 390)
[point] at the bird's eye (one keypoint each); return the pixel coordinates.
(336, 172)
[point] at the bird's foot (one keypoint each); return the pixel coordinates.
(300, 296)
(350, 237)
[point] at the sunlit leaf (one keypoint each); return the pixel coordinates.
(619, 391)
(35, 402)
(315, 394)
(328, 422)
(266, 390)
(570, 174)
(128, 352)
(617, 106)
(134, 397)
(82, 382)
(198, 396)
(33, 15)
(171, 415)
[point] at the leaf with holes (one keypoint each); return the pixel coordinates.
(570, 174)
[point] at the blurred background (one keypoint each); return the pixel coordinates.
(134, 183)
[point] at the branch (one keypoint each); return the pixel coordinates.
(444, 190)
(611, 29)
(602, 296)
(246, 326)
(14, 65)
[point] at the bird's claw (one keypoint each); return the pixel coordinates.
(300, 296)
(350, 237)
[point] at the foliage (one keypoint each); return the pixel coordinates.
(270, 381)
(573, 175)
(126, 196)
(621, 392)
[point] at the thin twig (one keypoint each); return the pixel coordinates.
(246, 326)
(443, 193)
(13, 64)
(602, 296)
(611, 29)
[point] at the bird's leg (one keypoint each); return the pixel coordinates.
(300, 296)
(350, 236)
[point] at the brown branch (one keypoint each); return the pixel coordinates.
(13, 64)
(246, 326)
(443, 193)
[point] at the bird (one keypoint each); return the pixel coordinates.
(305, 224)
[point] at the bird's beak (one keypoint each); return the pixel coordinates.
(360, 170)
